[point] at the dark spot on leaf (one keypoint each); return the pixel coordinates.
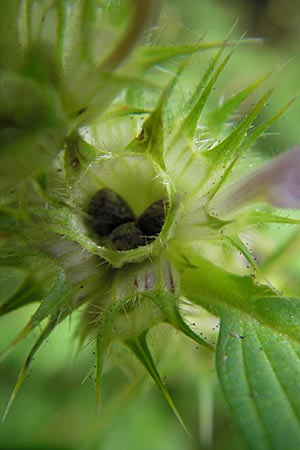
(236, 335)
(253, 394)
(141, 136)
(75, 163)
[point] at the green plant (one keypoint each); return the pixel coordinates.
(116, 199)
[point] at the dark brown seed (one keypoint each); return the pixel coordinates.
(107, 211)
(153, 218)
(126, 237)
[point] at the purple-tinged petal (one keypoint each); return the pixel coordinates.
(283, 180)
(278, 183)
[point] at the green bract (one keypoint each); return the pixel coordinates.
(172, 171)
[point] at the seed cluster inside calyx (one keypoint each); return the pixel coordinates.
(112, 219)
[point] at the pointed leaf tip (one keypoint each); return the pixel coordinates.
(140, 348)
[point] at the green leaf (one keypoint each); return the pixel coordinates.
(54, 320)
(20, 281)
(259, 130)
(259, 370)
(54, 301)
(230, 146)
(201, 94)
(140, 348)
(261, 217)
(198, 283)
(33, 128)
(78, 154)
(11, 280)
(219, 116)
(216, 290)
(168, 304)
(258, 351)
(156, 55)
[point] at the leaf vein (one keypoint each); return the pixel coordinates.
(283, 389)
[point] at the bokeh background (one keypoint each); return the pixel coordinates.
(55, 409)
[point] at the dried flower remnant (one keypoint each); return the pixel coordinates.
(152, 219)
(108, 210)
(112, 219)
(126, 237)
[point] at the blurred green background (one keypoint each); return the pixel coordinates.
(55, 409)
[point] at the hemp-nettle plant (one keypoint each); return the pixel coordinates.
(114, 182)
